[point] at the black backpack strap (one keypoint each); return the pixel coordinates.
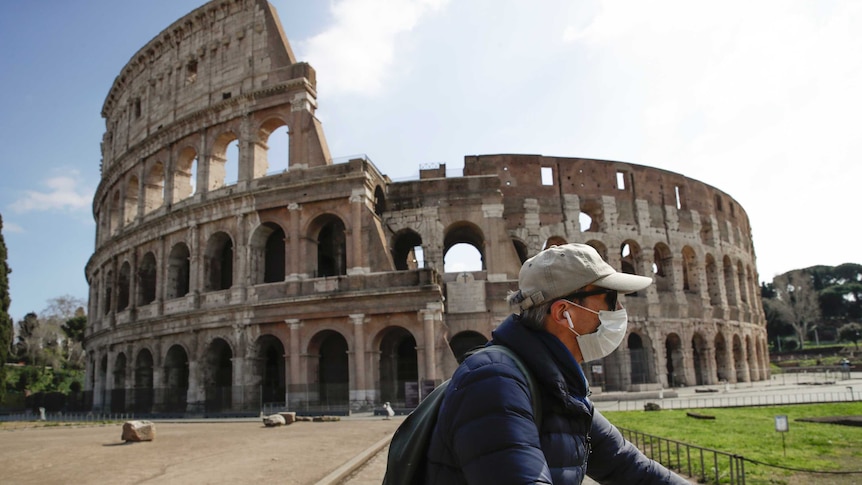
(535, 392)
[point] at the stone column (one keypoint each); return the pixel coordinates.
(294, 261)
(359, 393)
(356, 261)
(429, 317)
(295, 326)
(109, 380)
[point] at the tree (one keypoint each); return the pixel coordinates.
(28, 348)
(796, 290)
(851, 332)
(73, 343)
(5, 319)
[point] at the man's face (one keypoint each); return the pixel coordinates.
(594, 298)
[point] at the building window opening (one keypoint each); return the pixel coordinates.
(547, 176)
(585, 221)
(621, 180)
(332, 250)
(231, 164)
(137, 108)
(274, 256)
(678, 194)
(462, 257)
(191, 72)
(278, 151)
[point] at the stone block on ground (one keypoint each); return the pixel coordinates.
(326, 419)
(139, 431)
(289, 417)
(273, 420)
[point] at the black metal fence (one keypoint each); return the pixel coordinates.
(704, 464)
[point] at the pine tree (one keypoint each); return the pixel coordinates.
(5, 319)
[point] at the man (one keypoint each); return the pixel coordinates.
(486, 432)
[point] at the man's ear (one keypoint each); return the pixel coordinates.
(558, 311)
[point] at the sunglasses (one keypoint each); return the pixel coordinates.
(610, 296)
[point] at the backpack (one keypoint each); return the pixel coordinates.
(409, 446)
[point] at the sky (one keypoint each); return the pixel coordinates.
(760, 99)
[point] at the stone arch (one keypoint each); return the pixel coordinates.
(754, 288)
(179, 271)
(675, 361)
(463, 342)
(144, 381)
(379, 201)
(218, 262)
(123, 286)
(742, 282)
(274, 133)
(118, 389)
(690, 277)
(147, 279)
(739, 359)
(268, 257)
(729, 283)
(221, 168)
(521, 250)
(554, 241)
(707, 235)
(269, 369)
(700, 355)
(399, 364)
(176, 379)
(154, 187)
(464, 232)
(130, 201)
(115, 211)
(106, 300)
(630, 257)
(330, 236)
(663, 267)
(218, 376)
(406, 243)
(640, 359)
(185, 173)
(331, 370)
(722, 363)
(103, 379)
(591, 217)
(713, 281)
(753, 367)
(599, 247)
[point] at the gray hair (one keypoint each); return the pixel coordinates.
(534, 317)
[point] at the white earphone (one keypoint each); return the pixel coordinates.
(569, 319)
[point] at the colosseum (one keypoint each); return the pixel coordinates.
(225, 278)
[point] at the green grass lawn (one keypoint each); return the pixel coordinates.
(750, 432)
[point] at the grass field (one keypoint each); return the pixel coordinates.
(751, 433)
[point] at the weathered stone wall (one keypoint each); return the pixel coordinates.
(305, 286)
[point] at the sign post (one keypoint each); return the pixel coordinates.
(782, 426)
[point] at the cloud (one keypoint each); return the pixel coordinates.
(65, 193)
(356, 53)
(12, 228)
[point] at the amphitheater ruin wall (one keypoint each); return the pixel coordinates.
(225, 278)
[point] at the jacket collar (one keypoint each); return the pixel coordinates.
(550, 361)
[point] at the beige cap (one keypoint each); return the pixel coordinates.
(561, 270)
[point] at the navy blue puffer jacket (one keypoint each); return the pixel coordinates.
(486, 433)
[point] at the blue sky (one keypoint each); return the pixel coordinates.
(760, 99)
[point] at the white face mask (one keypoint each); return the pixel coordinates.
(606, 338)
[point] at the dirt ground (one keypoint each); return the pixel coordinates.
(185, 453)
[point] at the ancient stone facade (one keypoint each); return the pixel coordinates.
(306, 285)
